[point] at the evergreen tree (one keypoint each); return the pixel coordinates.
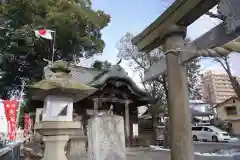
(78, 34)
(101, 65)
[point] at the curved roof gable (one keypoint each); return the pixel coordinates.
(118, 73)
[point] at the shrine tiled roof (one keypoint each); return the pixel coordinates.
(96, 78)
(115, 73)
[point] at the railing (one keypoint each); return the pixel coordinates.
(10, 151)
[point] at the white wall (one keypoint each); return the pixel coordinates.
(3, 121)
(202, 107)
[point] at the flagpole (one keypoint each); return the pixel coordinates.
(19, 104)
(53, 46)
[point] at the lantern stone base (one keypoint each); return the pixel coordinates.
(54, 147)
(77, 147)
(55, 137)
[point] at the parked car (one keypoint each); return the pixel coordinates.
(209, 133)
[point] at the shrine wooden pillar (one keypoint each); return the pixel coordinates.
(127, 123)
(127, 126)
(133, 125)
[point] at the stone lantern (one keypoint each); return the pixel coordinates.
(59, 92)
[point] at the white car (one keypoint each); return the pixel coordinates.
(209, 133)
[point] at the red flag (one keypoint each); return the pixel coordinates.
(44, 33)
(11, 107)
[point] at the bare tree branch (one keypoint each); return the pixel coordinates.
(158, 89)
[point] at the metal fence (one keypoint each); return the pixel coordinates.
(10, 151)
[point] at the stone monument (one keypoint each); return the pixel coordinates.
(59, 92)
(106, 138)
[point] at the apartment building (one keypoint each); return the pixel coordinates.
(216, 87)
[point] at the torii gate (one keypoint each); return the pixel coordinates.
(169, 30)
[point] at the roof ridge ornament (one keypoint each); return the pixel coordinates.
(119, 62)
(117, 67)
(60, 66)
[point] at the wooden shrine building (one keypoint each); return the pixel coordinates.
(117, 94)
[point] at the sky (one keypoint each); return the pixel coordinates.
(135, 15)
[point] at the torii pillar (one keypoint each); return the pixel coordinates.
(179, 114)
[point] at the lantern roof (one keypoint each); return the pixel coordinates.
(60, 84)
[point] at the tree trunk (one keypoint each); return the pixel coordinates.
(233, 81)
(235, 85)
(166, 143)
(164, 76)
(154, 126)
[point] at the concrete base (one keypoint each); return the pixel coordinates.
(31, 158)
(55, 147)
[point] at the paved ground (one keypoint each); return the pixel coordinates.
(206, 147)
(198, 147)
(163, 155)
(212, 146)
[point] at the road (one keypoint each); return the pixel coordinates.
(212, 146)
(199, 147)
(165, 156)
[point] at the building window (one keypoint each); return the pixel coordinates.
(208, 109)
(231, 110)
(196, 128)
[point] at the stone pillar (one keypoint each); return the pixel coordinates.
(179, 114)
(38, 115)
(95, 109)
(127, 127)
(55, 147)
